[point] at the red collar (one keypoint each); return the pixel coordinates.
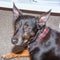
(42, 35)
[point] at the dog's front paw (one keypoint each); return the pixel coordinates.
(8, 56)
(25, 53)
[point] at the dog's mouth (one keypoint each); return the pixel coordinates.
(20, 46)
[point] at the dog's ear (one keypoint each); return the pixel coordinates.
(44, 17)
(16, 12)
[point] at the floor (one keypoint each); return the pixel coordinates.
(6, 31)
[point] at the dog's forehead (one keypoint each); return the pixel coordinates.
(27, 19)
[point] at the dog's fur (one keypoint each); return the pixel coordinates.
(26, 28)
(48, 48)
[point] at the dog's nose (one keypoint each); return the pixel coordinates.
(14, 40)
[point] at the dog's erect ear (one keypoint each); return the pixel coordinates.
(44, 17)
(16, 12)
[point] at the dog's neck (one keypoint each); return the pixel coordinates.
(40, 31)
(42, 35)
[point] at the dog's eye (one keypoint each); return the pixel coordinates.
(18, 25)
(25, 26)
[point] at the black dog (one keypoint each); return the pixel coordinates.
(30, 31)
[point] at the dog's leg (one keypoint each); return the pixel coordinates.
(25, 53)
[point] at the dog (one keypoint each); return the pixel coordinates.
(28, 29)
(31, 32)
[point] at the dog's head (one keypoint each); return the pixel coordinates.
(25, 26)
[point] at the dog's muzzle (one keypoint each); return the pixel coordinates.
(15, 41)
